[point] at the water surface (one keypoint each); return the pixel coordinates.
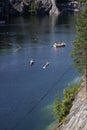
(27, 93)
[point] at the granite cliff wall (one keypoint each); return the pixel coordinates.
(77, 118)
(21, 7)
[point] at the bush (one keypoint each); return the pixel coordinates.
(62, 107)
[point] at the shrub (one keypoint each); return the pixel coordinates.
(62, 107)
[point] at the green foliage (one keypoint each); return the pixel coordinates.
(33, 7)
(83, 1)
(57, 108)
(62, 107)
(79, 51)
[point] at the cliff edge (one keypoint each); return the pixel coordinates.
(23, 7)
(77, 118)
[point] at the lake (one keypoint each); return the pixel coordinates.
(27, 93)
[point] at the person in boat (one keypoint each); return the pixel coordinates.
(63, 43)
(31, 62)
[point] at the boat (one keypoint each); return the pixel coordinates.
(60, 44)
(47, 64)
(31, 62)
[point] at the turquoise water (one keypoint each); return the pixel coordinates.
(27, 93)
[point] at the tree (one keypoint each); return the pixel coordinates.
(83, 1)
(79, 51)
(62, 107)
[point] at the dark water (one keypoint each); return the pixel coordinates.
(27, 93)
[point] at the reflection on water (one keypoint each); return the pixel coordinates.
(52, 21)
(20, 29)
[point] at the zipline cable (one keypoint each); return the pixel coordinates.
(47, 92)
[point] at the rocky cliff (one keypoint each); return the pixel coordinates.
(20, 7)
(77, 118)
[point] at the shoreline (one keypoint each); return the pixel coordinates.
(81, 96)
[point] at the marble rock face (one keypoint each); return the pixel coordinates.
(77, 118)
(22, 6)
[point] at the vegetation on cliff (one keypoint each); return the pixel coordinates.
(33, 9)
(79, 51)
(62, 107)
(26, 7)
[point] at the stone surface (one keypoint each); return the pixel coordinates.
(19, 7)
(77, 118)
(54, 10)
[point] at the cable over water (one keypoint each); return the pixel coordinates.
(54, 85)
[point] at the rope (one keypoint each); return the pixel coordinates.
(47, 92)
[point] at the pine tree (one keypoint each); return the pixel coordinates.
(79, 51)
